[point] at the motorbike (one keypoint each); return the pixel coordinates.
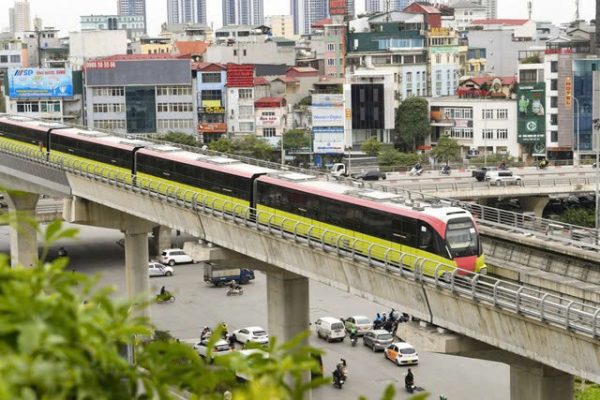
(416, 171)
(62, 252)
(353, 341)
(338, 379)
(445, 170)
(235, 291)
(165, 297)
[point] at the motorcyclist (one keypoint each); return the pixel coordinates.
(353, 333)
(206, 332)
(163, 291)
(446, 169)
(409, 381)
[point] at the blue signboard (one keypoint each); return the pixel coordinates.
(40, 82)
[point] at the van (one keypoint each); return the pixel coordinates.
(330, 329)
(175, 256)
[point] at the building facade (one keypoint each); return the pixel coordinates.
(186, 11)
(19, 17)
(134, 25)
(140, 94)
(586, 81)
(132, 8)
(281, 26)
(240, 100)
(444, 61)
(243, 12)
(271, 119)
(13, 54)
(491, 7)
(376, 6)
(210, 91)
(307, 12)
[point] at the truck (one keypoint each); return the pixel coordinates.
(220, 275)
(353, 167)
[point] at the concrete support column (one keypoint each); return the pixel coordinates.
(136, 261)
(162, 239)
(539, 383)
(23, 236)
(534, 204)
(287, 304)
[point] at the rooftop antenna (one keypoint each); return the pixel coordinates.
(529, 8)
(387, 11)
(576, 10)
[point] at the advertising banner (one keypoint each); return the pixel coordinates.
(531, 122)
(328, 116)
(328, 100)
(267, 119)
(327, 140)
(337, 7)
(40, 82)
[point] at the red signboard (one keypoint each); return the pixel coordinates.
(568, 92)
(240, 75)
(216, 127)
(337, 7)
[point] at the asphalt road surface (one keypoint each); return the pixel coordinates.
(198, 304)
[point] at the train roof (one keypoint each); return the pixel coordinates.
(32, 123)
(386, 201)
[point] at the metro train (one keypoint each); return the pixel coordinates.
(369, 220)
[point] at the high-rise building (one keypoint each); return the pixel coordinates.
(19, 16)
(491, 7)
(183, 11)
(351, 9)
(307, 12)
(134, 8)
(243, 12)
(373, 6)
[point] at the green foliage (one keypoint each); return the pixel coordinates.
(371, 147)
(306, 101)
(447, 149)
(252, 146)
(578, 216)
(589, 391)
(2, 103)
(223, 145)
(392, 157)
(491, 159)
(412, 122)
(535, 59)
(181, 138)
(296, 139)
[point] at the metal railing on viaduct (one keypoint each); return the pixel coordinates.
(525, 304)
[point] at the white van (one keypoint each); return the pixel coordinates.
(330, 329)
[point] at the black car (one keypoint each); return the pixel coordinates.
(371, 175)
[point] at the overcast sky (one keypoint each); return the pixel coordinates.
(64, 14)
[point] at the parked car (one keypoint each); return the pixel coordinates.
(402, 353)
(330, 329)
(372, 175)
(362, 324)
(157, 269)
(175, 256)
(378, 339)
(498, 177)
(254, 334)
(220, 348)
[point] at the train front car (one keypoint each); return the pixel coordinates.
(375, 224)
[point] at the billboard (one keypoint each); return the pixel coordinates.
(40, 82)
(240, 75)
(337, 7)
(531, 123)
(328, 139)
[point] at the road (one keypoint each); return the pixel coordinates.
(198, 304)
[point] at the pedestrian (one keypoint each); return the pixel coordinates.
(231, 341)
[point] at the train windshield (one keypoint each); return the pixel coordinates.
(462, 238)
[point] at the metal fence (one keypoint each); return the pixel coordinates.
(531, 303)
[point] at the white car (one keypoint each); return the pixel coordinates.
(221, 348)
(499, 177)
(254, 334)
(175, 256)
(157, 269)
(401, 353)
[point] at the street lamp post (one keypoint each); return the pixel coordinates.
(577, 139)
(596, 133)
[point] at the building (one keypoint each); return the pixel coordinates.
(271, 119)
(19, 17)
(44, 48)
(377, 6)
(482, 126)
(133, 8)
(86, 45)
(445, 60)
(586, 79)
(532, 107)
(210, 91)
(140, 93)
(13, 54)
(243, 12)
(281, 26)
(186, 11)
(466, 12)
(240, 100)
(187, 32)
(47, 93)
(491, 7)
(277, 51)
(134, 25)
(151, 45)
(306, 13)
(242, 33)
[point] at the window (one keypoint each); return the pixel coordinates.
(3, 59)
(553, 84)
(50, 106)
(173, 90)
(554, 136)
(28, 107)
(109, 91)
(246, 126)
(554, 119)
(108, 108)
(487, 134)
(245, 93)
(528, 75)
(502, 113)
(331, 46)
(246, 112)
(162, 107)
(211, 95)
(554, 102)
(211, 77)
(502, 134)
(15, 58)
(553, 66)
(269, 132)
(109, 124)
(487, 114)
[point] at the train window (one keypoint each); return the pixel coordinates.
(426, 239)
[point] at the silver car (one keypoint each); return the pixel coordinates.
(378, 339)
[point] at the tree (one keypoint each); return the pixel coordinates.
(447, 149)
(391, 157)
(181, 138)
(579, 217)
(371, 147)
(61, 338)
(296, 139)
(223, 145)
(412, 122)
(252, 146)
